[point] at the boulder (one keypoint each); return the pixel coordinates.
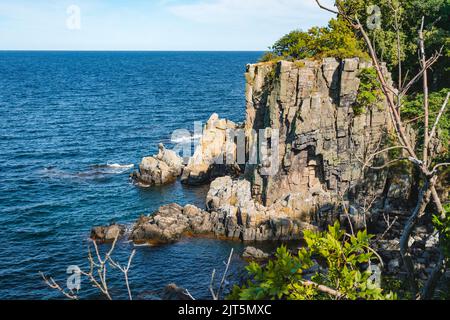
(215, 154)
(170, 223)
(251, 253)
(171, 159)
(167, 225)
(161, 169)
(107, 233)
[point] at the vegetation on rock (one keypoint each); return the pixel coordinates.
(336, 40)
(369, 93)
(342, 265)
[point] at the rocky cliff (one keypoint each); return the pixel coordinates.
(319, 172)
(322, 141)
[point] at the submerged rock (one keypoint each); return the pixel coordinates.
(108, 233)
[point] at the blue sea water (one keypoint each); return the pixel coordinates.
(65, 118)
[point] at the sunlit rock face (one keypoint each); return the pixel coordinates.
(215, 154)
(321, 141)
(311, 169)
(160, 169)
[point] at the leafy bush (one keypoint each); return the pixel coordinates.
(336, 40)
(345, 273)
(443, 226)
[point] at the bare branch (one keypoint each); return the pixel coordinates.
(441, 112)
(325, 8)
(124, 270)
(389, 225)
(98, 270)
(416, 78)
(436, 167)
(54, 285)
(426, 104)
(323, 289)
(216, 295)
(424, 199)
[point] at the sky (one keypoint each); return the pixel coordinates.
(153, 24)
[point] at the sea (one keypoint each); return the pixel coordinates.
(73, 126)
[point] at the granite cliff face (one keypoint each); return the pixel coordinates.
(319, 169)
(322, 141)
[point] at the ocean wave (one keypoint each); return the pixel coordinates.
(94, 172)
(110, 165)
(185, 139)
(120, 166)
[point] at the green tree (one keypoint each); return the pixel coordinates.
(406, 15)
(336, 40)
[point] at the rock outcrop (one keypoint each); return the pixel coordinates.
(243, 218)
(214, 155)
(252, 253)
(170, 223)
(107, 233)
(319, 170)
(163, 168)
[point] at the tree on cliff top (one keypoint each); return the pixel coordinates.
(340, 40)
(336, 40)
(394, 31)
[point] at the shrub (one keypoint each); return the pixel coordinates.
(345, 273)
(336, 40)
(443, 226)
(369, 94)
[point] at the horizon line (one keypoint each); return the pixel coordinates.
(117, 50)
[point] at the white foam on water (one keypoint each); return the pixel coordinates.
(120, 166)
(186, 139)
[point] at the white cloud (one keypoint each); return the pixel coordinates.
(303, 12)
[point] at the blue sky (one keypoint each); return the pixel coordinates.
(154, 24)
